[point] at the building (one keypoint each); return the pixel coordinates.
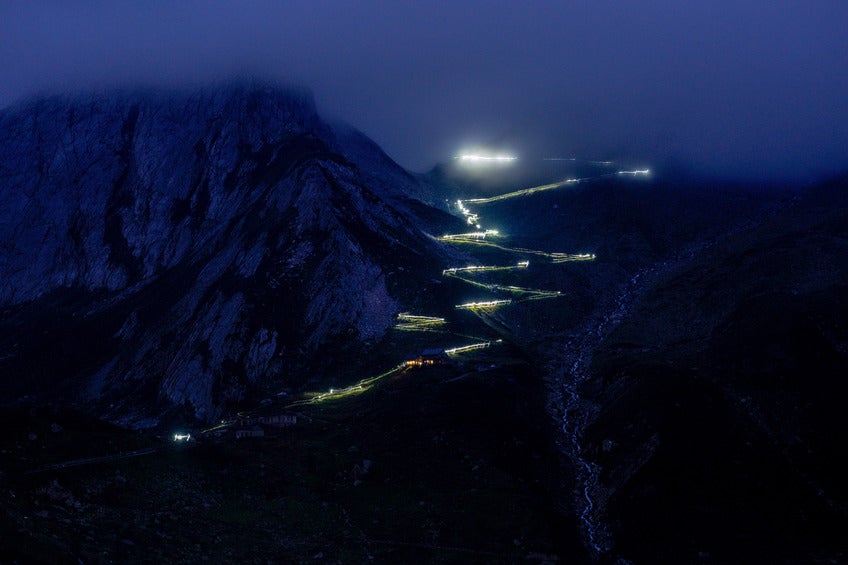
(427, 358)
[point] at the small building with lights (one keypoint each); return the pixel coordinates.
(427, 358)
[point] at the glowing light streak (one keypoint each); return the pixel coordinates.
(484, 286)
(522, 192)
(337, 393)
(554, 257)
(478, 158)
(470, 217)
(413, 323)
(528, 191)
(601, 163)
(485, 268)
(525, 293)
(567, 258)
(476, 235)
(483, 305)
(416, 318)
(542, 295)
(473, 218)
(182, 437)
(471, 347)
(530, 291)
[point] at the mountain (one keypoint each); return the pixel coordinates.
(672, 394)
(719, 429)
(184, 248)
(695, 367)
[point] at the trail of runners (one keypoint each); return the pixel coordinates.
(412, 323)
(408, 322)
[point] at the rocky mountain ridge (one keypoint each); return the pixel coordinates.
(717, 400)
(191, 244)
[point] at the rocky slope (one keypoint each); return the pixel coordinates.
(183, 248)
(718, 399)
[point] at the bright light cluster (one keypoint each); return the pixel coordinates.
(412, 323)
(482, 268)
(338, 393)
(636, 172)
(470, 236)
(487, 304)
(463, 348)
(471, 347)
(472, 218)
(568, 257)
(522, 192)
(477, 158)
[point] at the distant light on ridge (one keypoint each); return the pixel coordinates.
(478, 158)
(636, 172)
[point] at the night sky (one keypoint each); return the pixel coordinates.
(745, 89)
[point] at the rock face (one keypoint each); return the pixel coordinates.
(720, 399)
(184, 246)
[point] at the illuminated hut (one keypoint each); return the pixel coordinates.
(427, 358)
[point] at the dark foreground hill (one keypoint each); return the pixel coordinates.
(721, 427)
(696, 367)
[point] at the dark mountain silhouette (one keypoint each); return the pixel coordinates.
(179, 248)
(720, 427)
(176, 256)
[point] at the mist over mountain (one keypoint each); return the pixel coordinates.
(248, 335)
(187, 244)
(744, 91)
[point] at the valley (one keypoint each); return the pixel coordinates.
(248, 335)
(568, 407)
(481, 353)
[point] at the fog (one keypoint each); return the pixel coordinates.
(746, 89)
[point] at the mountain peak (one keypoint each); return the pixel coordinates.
(241, 87)
(222, 232)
